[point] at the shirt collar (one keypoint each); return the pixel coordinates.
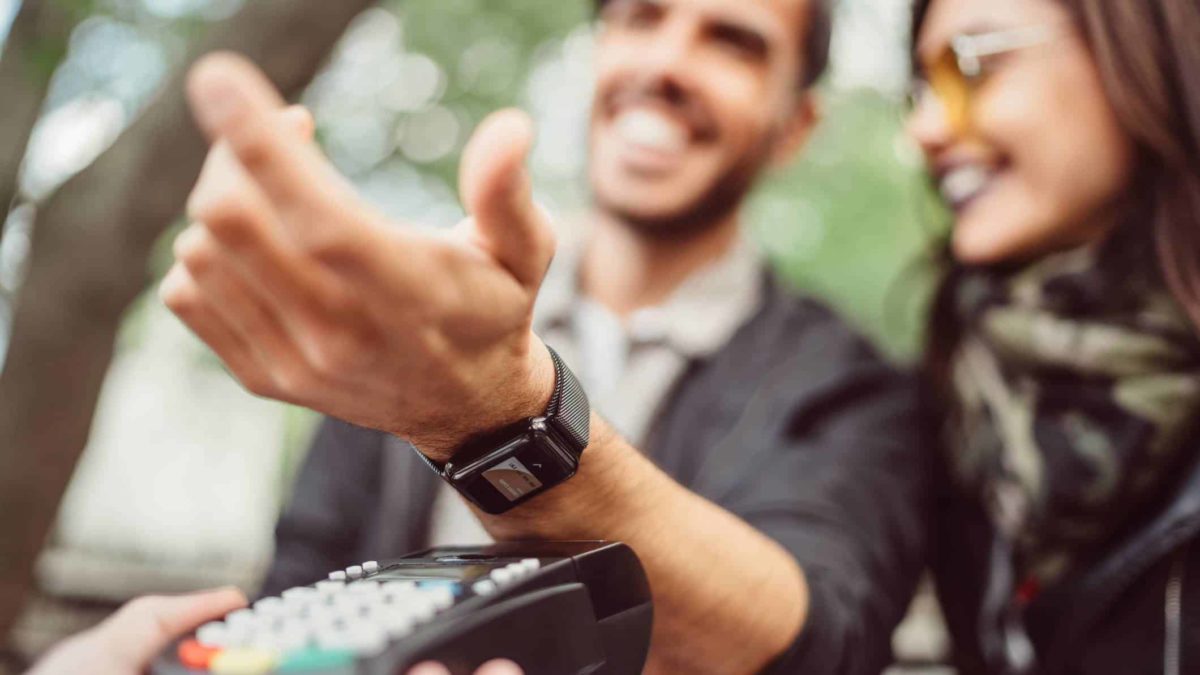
(697, 320)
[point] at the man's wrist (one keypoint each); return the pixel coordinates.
(523, 394)
(600, 498)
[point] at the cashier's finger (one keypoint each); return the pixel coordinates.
(497, 667)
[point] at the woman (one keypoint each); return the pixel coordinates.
(1065, 137)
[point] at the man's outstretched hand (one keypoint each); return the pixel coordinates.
(310, 296)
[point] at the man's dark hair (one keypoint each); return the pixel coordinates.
(817, 36)
(818, 33)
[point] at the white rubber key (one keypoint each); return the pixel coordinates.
(300, 592)
(337, 575)
(423, 608)
(330, 587)
(371, 567)
(213, 634)
(271, 606)
(354, 571)
(442, 598)
(242, 617)
(397, 624)
(365, 587)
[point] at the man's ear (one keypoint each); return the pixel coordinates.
(797, 128)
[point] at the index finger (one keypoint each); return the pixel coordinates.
(233, 101)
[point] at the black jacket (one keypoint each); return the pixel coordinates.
(796, 426)
(1111, 619)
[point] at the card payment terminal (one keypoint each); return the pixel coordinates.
(556, 608)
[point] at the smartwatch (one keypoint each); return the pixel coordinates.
(498, 470)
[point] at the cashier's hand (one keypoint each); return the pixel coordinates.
(310, 296)
(498, 667)
(127, 642)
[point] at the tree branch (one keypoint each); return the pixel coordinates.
(88, 263)
(36, 44)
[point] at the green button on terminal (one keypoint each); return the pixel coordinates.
(315, 659)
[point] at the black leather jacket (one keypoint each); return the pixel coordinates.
(1134, 611)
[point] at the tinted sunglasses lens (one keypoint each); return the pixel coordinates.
(951, 88)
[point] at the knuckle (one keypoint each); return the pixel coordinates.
(229, 218)
(179, 302)
(234, 230)
(254, 151)
(196, 252)
(331, 247)
(327, 358)
(291, 382)
(180, 297)
(342, 350)
(258, 384)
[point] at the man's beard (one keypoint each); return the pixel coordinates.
(711, 208)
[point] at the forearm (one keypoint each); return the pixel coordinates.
(727, 598)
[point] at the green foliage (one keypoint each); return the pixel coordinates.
(50, 35)
(852, 221)
(43, 56)
(486, 48)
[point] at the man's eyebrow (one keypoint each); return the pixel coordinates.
(602, 5)
(746, 36)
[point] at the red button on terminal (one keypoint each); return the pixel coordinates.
(192, 654)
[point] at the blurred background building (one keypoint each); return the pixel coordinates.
(184, 472)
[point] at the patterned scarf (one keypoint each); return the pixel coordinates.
(1077, 386)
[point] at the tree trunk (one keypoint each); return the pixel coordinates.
(36, 44)
(88, 262)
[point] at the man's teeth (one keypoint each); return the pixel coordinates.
(961, 184)
(651, 129)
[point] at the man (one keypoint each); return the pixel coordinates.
(783, 527)
(653, 292)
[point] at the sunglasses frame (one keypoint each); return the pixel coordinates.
(969, 53)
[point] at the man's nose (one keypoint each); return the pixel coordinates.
(667, 58)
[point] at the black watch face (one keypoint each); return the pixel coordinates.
(525, 466)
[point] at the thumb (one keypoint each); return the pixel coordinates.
(145, 626)
(497, 193)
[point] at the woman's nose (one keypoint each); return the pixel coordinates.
(929, 124)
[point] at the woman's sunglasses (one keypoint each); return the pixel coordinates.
(957, 72)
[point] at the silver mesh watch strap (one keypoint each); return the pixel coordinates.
(569, 409)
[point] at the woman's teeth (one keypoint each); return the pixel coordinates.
(964, 184)
(652, 130)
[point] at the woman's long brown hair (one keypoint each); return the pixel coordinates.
(1148, 56)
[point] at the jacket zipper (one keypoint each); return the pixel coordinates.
(1173, 610)
(1107, 588)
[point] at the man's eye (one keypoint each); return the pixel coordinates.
(645, 15)
(633, 14)
(745, 43)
